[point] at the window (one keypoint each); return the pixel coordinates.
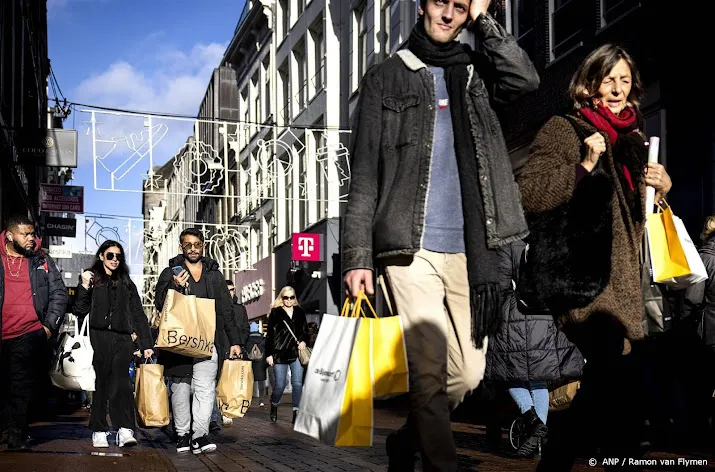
(303, 193)
(385, 13)
(267, 87)
(316, 33)
(520, 20)
(361, 29)
(300, 76)
(567, 23)
(321, 173)
(612, 10)
(289, 200)
(285, 18)
(284, 114)
(246, 117)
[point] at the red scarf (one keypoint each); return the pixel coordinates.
(604, 120)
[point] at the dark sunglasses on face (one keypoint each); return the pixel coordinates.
(187, 246)
(289, 298)
(110, 256)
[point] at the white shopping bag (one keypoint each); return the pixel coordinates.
(72, 368)
(697, 268)
(336, 405)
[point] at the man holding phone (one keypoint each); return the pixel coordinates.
(194, 379)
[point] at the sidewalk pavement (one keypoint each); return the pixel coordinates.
(254, 444)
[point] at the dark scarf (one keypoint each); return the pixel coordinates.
(482, 262)
(629, 149)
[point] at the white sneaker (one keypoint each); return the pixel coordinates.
(227, 421)
(125, 437)
(100, 439)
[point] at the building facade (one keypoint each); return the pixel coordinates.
(24, 69)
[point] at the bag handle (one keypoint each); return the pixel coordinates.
(85, 326)
(291, 331)
(653, 152)
(357, 310)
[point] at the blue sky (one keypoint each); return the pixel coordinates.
(152, 55)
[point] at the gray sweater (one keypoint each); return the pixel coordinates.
(444, 222)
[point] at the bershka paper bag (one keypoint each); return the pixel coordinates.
(187, 325)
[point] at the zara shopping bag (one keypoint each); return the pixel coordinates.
(151, 396)
(388, 349)
(336, 406)
(674, 258)
(72, 367)
(234, 390)
(188, 325)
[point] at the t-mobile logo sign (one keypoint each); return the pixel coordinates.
(306, 247)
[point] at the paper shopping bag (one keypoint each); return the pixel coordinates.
(674, 258)
(151, 396)
(562, 397)
(336, 406)
(187, 325)
(72, 367)
(389, 352)
(234, 391)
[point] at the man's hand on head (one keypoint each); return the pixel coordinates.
(478, 7)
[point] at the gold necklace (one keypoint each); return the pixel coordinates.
(10, 264)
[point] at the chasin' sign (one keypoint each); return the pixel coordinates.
(252, 291)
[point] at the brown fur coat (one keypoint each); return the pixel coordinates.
(585, 241)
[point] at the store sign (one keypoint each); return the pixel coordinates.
(61, 198)
(306, 247)
(50, 148)
(60, 252)
(66, 227)
(252, 291)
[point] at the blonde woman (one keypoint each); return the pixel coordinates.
(287, 334)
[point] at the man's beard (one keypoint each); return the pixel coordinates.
(193, 259)
(23, 251)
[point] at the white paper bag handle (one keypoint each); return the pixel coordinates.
(85, 326)
(653, 151)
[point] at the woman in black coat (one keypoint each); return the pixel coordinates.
(527, 352)
(257, 342)
(111, 300)
(287, 334)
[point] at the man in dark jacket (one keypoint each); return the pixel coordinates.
(244, 328)
(432, 196)
(199, 276)
(243, 331)
(33, 300)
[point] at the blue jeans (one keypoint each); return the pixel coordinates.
(535, 394)
(296, 381)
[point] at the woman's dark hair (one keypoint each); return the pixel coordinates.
(119, 275)
(595, 68)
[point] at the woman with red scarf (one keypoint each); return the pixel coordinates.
(583, 192)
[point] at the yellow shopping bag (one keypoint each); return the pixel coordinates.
(674, 258)
(389, 353)
(356, 414)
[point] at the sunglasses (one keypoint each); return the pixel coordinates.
(110, 256)
(232, 289)
(289, 298)
(187, 246)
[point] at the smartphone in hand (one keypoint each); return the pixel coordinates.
(177, 270)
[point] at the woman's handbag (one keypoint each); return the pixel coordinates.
(303, 354)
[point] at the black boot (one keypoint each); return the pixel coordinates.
(16, 441)
(535, 430)
(274, 412)
(295, 414)
(400, 454)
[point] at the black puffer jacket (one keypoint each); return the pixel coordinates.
(125, 315)
(700, 298)
(528, 347)
(279, 341)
